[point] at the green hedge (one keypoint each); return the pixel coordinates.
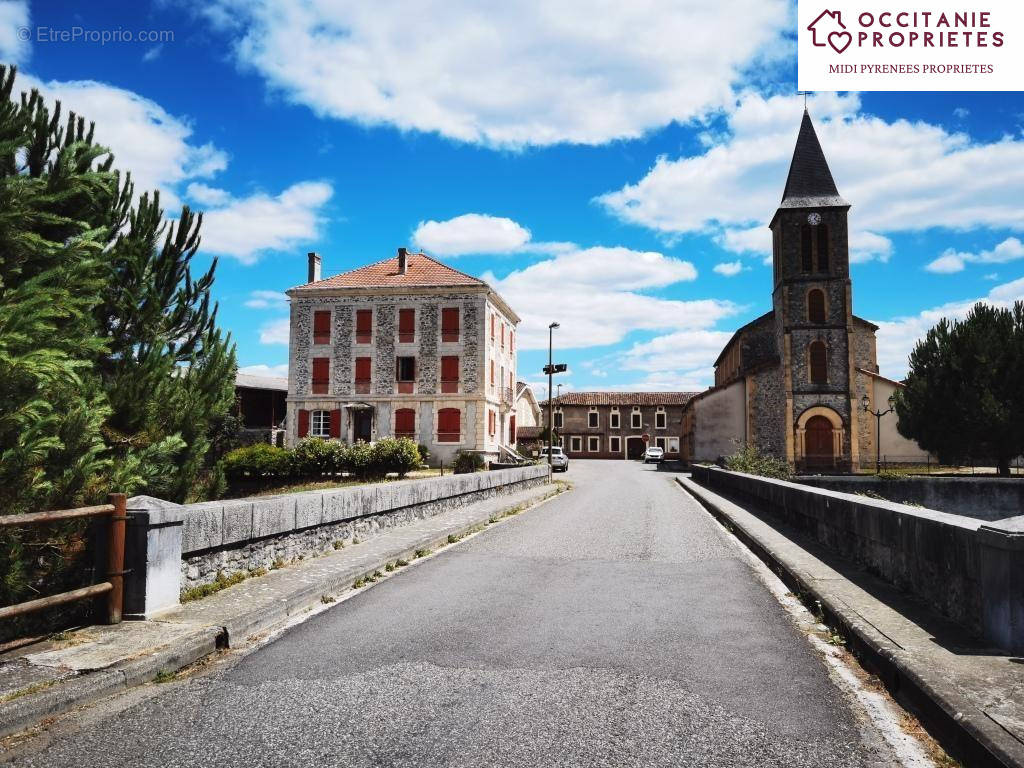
(315, 457)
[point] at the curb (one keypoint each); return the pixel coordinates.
(958, 724)
(27, 711)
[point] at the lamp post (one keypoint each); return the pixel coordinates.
(551, 372)
(865, 402)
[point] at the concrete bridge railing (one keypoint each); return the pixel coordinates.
(969, 570)
(171, 547)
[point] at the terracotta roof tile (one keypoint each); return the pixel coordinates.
(624, 398)
(421, 270)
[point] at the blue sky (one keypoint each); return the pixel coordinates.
(596, 170)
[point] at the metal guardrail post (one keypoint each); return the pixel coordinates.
(115, 558)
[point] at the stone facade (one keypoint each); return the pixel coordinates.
(622, 421)
(485, 406)
(806, 365)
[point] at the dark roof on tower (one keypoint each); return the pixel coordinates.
(810, 183)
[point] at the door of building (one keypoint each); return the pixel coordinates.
(820, 445)
(362, 425)
(635, 447)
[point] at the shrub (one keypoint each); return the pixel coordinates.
(424, 453)
(748, 459)
(359, 460)
(315, 456)
(261, 461)
(466, 462)
(395, 455)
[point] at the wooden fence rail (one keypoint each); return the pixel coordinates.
(113, 587)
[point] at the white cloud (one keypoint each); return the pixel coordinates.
(14, 18)
(470, 233)
(961, 112)
(265, 370)
(595, 293)
(207, 195)
(728, 268)
(266, 300)
(145, 139)
(153, 53)
(900, 176)
(275, 331)
(508, 74)
(896, 338)
(952, 261)
(246, 227)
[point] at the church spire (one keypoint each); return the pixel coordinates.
(810, 183)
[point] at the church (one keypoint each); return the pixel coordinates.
(794, 382)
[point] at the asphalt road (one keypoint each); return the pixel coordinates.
(614, 626)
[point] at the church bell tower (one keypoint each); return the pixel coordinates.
(812, 303)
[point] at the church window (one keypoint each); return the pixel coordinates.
(822, 248)
(806, 257)
(816, 306)
(819, 362)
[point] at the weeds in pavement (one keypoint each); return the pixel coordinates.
(338, 544)
(422, 553)
(163, 676)
(401, 563)
(220, 582)
(326, 599)
(27, 691)
(389, 567)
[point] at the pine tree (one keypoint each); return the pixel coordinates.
(963, 396)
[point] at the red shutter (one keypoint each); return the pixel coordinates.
(512, 341)
(303, 423)
(405, 422)
(336, 423)
(321, 375)
(322, 327)
(450, 324)
(492, 373)
(493, 321)
(512, 427)
(362, 375)
(364, 326)
(502, 335)
(450, 373)
(406, 326)
(448, 426)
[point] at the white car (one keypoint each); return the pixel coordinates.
(655, 454)
(559, 461)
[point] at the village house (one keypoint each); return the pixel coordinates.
(793, 382)
(618, 425)
(405, 347)
(260, 403)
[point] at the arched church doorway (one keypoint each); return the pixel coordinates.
(819, 438)
(819, 442)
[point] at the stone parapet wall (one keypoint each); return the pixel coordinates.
(967, 570)
(247, 534)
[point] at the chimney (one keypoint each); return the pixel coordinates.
(314, 267)
(403, 261)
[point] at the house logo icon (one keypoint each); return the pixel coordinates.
(828, 29)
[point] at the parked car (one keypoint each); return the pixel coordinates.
(654, 454)
(559, 461)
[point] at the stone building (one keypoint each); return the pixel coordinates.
(791, 381)
(405, 347)
(613, 425)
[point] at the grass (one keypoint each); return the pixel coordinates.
(338, 544)
(164, 676)
(27, 691)
(326, 599)
(220, 582)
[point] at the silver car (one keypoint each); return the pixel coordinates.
(559, 461)
(655, 454)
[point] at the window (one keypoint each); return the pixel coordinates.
(613, 420)
(405, 374)
(362, 375)
(593, 419)
(822, 248)
(614, 444)
(673, 445)
(450, 324)
(576, 444)
(450, 373)
(558, 420)
(364, 326)
(816, 306)
(492, 373)
(660, 442)
(593, 444)
(405, 423)
(511, 340)
(321, 375)
(322, 327)
(490, 423)
(660, 420)
(806, 257)
(636, 420)
(494, 322)
(321, 424)
(819, 362)
(512, 428)
(449, 425)
(406, 326)
(502, 335)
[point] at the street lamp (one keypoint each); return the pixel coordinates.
(551, 373)
(865, 403)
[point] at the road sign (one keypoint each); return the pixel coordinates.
(556, 368)
(646, 438)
